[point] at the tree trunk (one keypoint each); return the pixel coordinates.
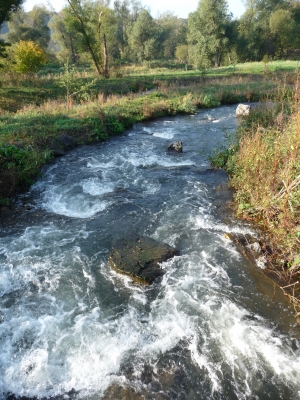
(217, 60)
(105, 55)
(87, 41)
(73, 52)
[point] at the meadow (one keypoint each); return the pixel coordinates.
(34, 110)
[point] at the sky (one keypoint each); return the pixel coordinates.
(178, 7)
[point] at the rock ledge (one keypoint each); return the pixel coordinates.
(139, 257)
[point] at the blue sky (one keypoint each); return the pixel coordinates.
(179, 7)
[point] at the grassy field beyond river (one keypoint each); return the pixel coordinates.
(36, 123)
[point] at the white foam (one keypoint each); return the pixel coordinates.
(148, 130)
(208, 223)
(59, 332)
(168, 134)
(96, 187)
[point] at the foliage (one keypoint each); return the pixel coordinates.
(69, 81)
(285, 32)
(7, 7)
(207, 32)
(264, 165)
(29, 56)
(268, 27)
(17, 167)
(30, 26)
(94, 26)
(172, 34)
(143, 37)
(182, 54)
(209, 101)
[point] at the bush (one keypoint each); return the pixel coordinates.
(209, 101)
(29, 56)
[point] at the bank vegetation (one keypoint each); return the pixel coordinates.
(263, 161)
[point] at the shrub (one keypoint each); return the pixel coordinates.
(29, 56)
(209, 101)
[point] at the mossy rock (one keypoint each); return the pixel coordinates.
(139, 257)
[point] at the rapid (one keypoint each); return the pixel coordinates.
(213, 327)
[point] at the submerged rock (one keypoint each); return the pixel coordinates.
(175, 146)
(250, 247)
(243, 110)
(62, 144)
(139, 257)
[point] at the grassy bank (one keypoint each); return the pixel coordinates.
(263, 161)
(36, 124)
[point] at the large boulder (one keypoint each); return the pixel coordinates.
(139, 257)
(175, 146)
(243, 110)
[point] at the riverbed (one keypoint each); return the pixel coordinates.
(213, 327)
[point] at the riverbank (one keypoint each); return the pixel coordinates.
(34, 134)
(263, 163)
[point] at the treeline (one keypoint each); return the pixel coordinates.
(106, 33)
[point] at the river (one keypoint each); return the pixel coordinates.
(213, 327)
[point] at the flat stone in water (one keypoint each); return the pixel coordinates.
(139, 257)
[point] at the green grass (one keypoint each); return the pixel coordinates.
(114, 105)
(263, 161)
(17, 91)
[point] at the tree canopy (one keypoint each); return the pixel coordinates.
(207, 31)
(109, 33)
(7, 7)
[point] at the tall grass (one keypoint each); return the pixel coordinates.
(264, 164)
(34, 113)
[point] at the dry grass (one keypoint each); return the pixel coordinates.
(266, 175)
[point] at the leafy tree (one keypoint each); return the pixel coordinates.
(172, 31)
(93, 23)
(207, 32)
(255, 36)
(29, 56)
(7, 7)
(30, 26)
(284, 29)
(182, 54)
(68, 80)
(65, 36)
(143, 37)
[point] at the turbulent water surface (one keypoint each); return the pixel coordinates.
(70, 328)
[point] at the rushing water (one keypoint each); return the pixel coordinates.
(70, 328)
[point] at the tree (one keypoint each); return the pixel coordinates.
(143, 37)
(255, 38)
(172, 32)
(284, 29)
(182, 54)
(29, 56)
(7, 7)
(68, 80)
(207, 32)
(65, 36)
(92, 22)
(30, 26)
